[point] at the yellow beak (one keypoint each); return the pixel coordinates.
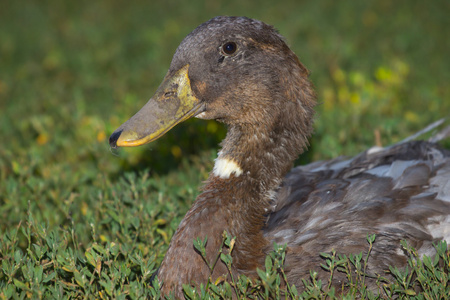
(173, 103)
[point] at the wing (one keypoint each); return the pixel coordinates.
(401, 192)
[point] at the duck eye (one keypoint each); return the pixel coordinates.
(229, 48)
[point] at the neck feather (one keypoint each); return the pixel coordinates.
(258, 156)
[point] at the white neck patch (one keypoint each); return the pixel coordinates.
(224, 167)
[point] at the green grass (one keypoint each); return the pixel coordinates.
(72, 72)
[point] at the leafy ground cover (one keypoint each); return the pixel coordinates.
(81, 220)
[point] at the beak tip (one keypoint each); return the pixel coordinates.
(113, 138)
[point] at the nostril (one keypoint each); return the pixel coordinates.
(113, 138)
(169, 94)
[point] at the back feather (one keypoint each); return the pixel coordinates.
(401, 192)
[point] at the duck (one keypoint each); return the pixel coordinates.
(240, 72)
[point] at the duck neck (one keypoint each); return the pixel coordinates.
(258, 159)
(246, 175)
(235, 198)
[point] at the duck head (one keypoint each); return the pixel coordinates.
(235, 70)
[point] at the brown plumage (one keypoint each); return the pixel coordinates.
(240, 72)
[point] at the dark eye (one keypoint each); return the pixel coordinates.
(229, 48)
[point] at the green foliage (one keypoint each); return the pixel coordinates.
(81, 220)
(427, 279)
(53, 266)
(429, 275)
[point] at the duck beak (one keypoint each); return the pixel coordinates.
(173, 103)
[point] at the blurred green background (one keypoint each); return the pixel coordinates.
(73, 71)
